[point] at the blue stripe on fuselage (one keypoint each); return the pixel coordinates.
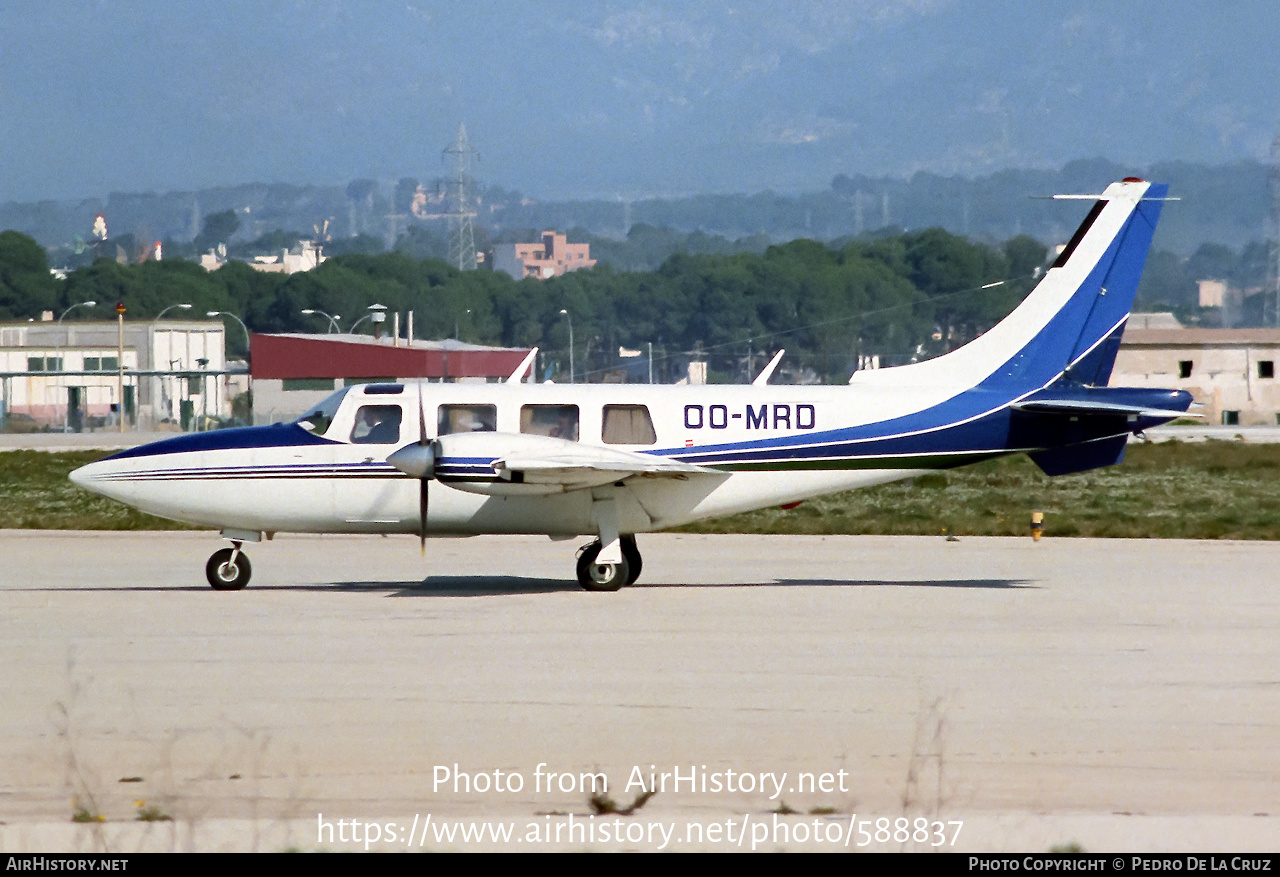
(976, 419)
(280, 435)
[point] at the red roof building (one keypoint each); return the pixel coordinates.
(291, 372)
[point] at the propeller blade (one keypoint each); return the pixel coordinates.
(424, 493)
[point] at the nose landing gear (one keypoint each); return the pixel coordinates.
(228, 569)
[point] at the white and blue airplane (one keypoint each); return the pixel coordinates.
(614, 461)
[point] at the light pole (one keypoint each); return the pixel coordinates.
(151, 345)
(185, 307)
(570, 318)
(247, 357)
(332, 318)
(120, 309)
(377, 313)
(238, 320)
(58, 335)
(57, 341)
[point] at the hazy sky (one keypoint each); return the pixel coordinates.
(564, 98)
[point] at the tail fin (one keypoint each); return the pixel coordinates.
(1109, 289)
(1071, 322)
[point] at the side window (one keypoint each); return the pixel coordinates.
(628, 425)
(319, 420)
(557, 421)
(377, 425)
(466, 418)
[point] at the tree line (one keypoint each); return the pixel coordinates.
(898, 297)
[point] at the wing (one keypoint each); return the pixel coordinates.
(505, 464)
(578, 471)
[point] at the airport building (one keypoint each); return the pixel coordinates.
(304, 256)
(65, 375)
(550, 257)
(293, 372)
(1230, 372)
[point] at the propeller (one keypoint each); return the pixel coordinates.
(419, 460)
(424, 494)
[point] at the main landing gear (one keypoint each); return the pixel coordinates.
(609, 576)
(228, 569)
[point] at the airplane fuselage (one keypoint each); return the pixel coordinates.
(768, 445)
(620, 459)
(284, 478)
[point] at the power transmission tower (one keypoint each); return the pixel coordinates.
(460, 202)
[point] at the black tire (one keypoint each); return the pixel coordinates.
(601, 576)
(224, 577)
(631, 554)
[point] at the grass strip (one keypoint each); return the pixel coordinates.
(1171, 490)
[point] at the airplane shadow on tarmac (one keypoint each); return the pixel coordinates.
(496, 586)
(490, 586)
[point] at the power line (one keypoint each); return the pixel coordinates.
(837, 320)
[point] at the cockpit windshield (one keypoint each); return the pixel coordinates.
(318, 420)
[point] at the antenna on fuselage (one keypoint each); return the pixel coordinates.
(763, 377)
(518, 375)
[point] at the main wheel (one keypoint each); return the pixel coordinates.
(225, 575)
(631, 554)
(601, 576)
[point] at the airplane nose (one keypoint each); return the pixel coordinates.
(78, 476)
(86, 477)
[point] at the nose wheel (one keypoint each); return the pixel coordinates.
(228, 569)
(593, 576)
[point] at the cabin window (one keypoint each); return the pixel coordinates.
(628, 425)
(466, 418)
(556, 421)
(377, 425)
(1266, 368)
(1230, 418)
(1184, 368)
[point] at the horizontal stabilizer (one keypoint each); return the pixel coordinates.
(1143, 404)
(1082, 407)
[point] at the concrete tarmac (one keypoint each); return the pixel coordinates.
(1123, 695)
